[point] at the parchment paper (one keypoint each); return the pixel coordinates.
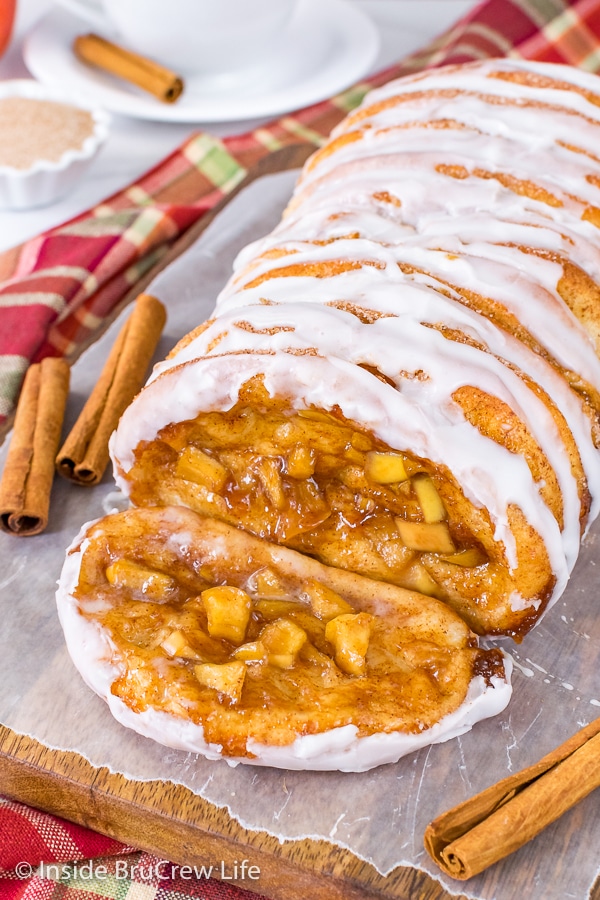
(380, 815)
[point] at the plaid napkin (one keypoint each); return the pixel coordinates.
(46, 858)
(56, 289)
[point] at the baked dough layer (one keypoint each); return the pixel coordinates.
(326, 669)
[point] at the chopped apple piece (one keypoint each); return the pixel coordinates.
(430, 501)
(176, 644)
(283, 640)
(428, 537)
(273, 609)
(385, 468)
(324, 602)
(226, 678)
(352, 477)
(364, 504)
(361, 441)
(354, 457)
(300, 462)
(310, 497)
(270, 479)
(152, 585)
(469, 558)
(268, 585)
(328, 672)
(350, 634)
(195, 465)
(253, 651)
(207, 573)
(285, 435)
(417, 578)
(228, 611)
(312, 655)
(317, 415)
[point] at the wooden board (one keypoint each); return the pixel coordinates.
(179, 826)
(175, 824)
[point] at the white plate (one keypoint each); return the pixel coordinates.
(328, 46)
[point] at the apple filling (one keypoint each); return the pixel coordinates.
(314, 482)
(250, 643)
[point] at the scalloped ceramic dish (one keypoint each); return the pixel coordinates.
(45, 180)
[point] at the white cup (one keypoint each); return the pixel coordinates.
(211, 36)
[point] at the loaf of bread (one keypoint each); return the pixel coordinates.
(383, 443)
(402, 379)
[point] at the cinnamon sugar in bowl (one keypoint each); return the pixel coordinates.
(47, 141)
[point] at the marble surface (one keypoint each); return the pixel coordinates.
(135, 146)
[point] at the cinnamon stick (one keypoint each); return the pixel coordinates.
(484, 829)
(29, 470)
(84, 455)
(148, 75)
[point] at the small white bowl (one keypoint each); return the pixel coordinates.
(46, 181)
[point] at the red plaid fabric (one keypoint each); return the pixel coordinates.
(56, 289)
(46, 858)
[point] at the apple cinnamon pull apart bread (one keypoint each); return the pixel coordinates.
(208, 639)
(402, 379)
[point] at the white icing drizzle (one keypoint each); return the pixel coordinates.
(443, 246)
(447, 205)
(480, 77)
(540, 311)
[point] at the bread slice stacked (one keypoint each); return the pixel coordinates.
(433, 290)
(398, 391)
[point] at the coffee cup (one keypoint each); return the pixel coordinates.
(195, 36)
